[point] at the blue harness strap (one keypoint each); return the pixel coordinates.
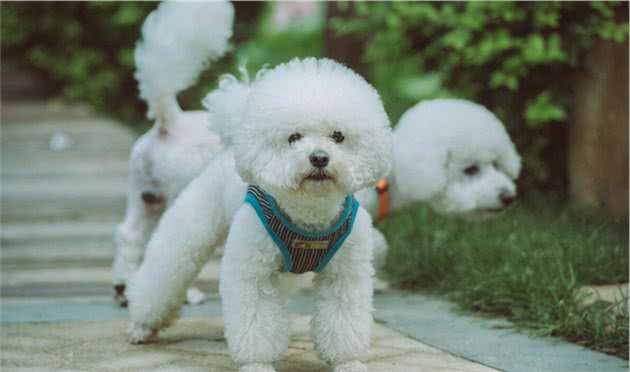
(303, 251)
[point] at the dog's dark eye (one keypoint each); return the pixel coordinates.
(295, 137)
(337, 136)
(472, 170)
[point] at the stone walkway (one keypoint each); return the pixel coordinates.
(59, 209)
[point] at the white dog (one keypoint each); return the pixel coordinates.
(453, 155)
(311, 133)
(179, 38)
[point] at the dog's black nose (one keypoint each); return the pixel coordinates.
(319, 159)
(507, 197)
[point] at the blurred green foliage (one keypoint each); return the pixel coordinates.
(519, 59)
(269, 46)
(86, 49)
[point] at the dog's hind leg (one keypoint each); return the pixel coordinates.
(181, 244)
(143, 212)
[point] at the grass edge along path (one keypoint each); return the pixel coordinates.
(526, 266)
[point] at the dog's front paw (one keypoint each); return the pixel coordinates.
(257, 367)
(353, 366)
(138, 334)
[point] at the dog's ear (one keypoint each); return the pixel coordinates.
(420, 173)
(225, 106)
(510, 161)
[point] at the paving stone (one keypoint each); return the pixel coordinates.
(63, 187)
(57, 230)
(195, 344)
(58, 251)
(489, 341)
(75, 168)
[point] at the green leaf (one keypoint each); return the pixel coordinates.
(542, 110)
(502, 79)
(534, 48)
(419, 87)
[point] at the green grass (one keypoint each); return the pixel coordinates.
(526, 266)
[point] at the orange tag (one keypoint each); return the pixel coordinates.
(383, 198)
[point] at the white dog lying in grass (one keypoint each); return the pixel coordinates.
(179, 38)
(453, 155)
(311, 134)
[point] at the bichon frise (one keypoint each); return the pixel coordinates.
(179, 38)
(311, 133)
(453, 155)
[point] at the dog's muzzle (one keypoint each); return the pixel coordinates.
(507, 197)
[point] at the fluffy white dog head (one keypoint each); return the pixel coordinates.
(461, 158)
(309, 126)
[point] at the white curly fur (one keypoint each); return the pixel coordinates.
(178, 39)
(225, 104)
(434, 143)
(314, 98)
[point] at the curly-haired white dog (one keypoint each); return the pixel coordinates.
(453, 155)
(311, 134)
(179, 38)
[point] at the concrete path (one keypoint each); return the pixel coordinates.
(59, 209)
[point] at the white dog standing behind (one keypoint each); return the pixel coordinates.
(312, 132)
(178, 40)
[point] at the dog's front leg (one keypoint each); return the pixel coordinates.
(254, 308)
(256, 320)
(342, 324)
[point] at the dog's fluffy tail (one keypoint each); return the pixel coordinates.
(178, 40)
(226, 104)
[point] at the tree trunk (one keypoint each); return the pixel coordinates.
(347, 49)
(598, 136)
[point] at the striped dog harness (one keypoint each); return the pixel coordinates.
(302, 250)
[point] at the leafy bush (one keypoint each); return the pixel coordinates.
(516, 58)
